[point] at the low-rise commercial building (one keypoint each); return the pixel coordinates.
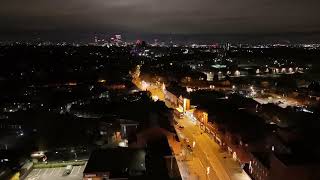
(115, 163)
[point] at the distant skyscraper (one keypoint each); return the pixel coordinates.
(171, 43)
(138, 42)
(156, 42)
(228, 46)
(118, 37)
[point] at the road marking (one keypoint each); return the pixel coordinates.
(79, 169)
(39, 172)
(32, 173)
(45, 171)
(58, 173)
(52, 171)
(200, 162)
(72, 170)
(32, 178)
(204, 168)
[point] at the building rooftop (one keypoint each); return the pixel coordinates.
(119, 162)
(298, 159)
(178, 90)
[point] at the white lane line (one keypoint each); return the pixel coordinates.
(39, 172)
(204, 168)
(72, 170)
(80, 167)
(79, 170)
(52, 171)
(58, 172)
(45, 171)
(32, 173)
(200, 163)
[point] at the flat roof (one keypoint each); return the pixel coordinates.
(298, 159)
(119, 162)
(179, 109)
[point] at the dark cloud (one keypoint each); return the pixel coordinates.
(163, 16)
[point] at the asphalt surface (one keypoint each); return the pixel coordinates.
(56, 174)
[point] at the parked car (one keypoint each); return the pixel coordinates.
(67, 170)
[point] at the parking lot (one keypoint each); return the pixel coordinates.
(56, 174)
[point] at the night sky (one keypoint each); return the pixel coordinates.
(162, 16)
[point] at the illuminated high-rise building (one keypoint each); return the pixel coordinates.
(156, 42)
(118, 37)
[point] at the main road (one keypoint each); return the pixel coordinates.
(221, 164)
(198, 155)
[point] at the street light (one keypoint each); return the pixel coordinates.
(144, 85)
